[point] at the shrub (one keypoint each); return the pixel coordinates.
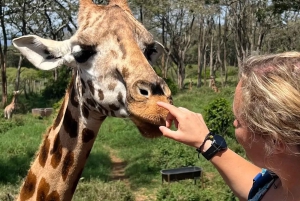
(219, 117)
(57, 89)
(176, 192)
(169, 154)
(109, 191)
(57, 105)
(172, 85)
(8, 124)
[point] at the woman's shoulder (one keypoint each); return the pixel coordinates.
(261, 184)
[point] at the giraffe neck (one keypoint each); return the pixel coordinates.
(13, 100)
(59, 163)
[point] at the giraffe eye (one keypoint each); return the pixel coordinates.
(84, 54)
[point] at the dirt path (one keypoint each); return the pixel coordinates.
(118, 173)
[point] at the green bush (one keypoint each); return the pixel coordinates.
(57, 105)
(175, 192)
(219, 117)
(97, 190)
(8, 124)
(172, 85)
(170, 154)
(57, 89)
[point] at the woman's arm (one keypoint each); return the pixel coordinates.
(237, 172)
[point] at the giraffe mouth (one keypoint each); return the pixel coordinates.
(147, 129)
(148, 117)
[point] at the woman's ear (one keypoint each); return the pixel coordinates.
(279, 147)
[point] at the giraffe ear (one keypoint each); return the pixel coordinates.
(44, 54)
(156, 51)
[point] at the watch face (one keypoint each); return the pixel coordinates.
(219, 142)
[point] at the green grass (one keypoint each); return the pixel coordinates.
(20, 139)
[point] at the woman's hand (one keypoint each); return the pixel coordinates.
(191, 128)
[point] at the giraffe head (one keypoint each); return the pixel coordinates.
(16, 93)
(111, 54)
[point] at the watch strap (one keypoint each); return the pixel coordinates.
(215, 148)
(209, 136)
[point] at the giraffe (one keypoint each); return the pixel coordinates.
(110, 54)
(213, 84)
(9, 109)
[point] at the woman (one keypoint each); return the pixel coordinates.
(267, 124)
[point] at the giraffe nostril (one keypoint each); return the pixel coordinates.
(144, 92)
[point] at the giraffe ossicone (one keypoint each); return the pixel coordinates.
(110, 55)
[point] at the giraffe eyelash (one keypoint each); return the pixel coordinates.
(84, 54)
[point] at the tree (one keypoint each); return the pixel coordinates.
(3, 52)
(280, 6)
(48, 18)
(178, 25)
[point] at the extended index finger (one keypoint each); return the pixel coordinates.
(172, 109)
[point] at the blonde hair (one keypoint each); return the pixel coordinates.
(271, 97)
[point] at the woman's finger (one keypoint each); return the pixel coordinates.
(169, 120)
(172, 109)
(168, 132)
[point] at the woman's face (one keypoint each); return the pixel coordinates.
(253, 144)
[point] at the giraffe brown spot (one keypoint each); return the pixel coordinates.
(114, 54)
(103, 109)
(85, 112)
(74, 98)
(67, 165)
(91, 86)
(83, 83)
(57, 152)
(60, 115)
(105, 33)
(43, 190)
(87, 135)
(75, 183)
(112, 113)
(43, 155)
(113, 107)
(112, 86)
(102, 118)
(53, 196)
(28, 187)
(83, 86)
(88, 153)
(100, 94)
(56, 144)
(87, 106)
(91, 102)
(70, 124)
(125, 72)
(123, 50)
(120, 99)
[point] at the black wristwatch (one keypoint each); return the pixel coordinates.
(218, 144)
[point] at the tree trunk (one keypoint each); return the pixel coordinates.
(18, 75)
(224, 66)
(201, 44)
(181, 74)
(204, 65)
(3, 50)
(211, 66)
